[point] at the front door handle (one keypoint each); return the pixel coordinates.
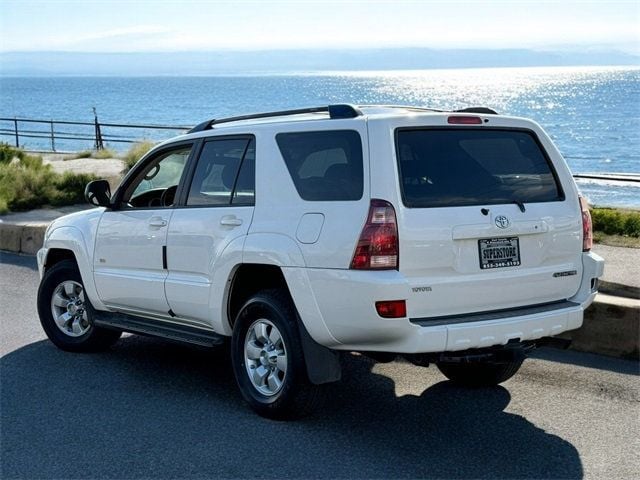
(157, 222)
(230, 221)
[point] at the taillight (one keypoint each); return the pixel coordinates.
(587, 226)
(378, 244)
(392, 309)
(464, 120)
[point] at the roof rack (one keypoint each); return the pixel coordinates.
(485, 110)
(342, 110)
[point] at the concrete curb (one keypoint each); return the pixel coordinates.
(619, 290)
(22, 238)
(611, 327)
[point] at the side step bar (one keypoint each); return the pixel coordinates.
(155, 328)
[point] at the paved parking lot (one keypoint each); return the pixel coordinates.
(148, 408)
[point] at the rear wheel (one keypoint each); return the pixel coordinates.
(480, 374)
(268, 361)
(66, 314)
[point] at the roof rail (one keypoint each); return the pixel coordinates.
(342, 110)
(485, 110)
(405, 107)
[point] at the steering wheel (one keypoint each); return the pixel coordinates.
(168, 196)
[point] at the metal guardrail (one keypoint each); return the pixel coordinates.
(616, 177)
(95, 134)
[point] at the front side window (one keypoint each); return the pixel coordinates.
(224, 174)
(458, 167)
(324, 165)
(157, 183)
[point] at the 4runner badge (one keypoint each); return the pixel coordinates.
(502, 221)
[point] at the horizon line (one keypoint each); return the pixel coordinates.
(591, 48)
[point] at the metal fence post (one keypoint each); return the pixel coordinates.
(53, 142)
(15, 126)
(98, 143)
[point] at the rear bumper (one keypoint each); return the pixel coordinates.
(343, 303)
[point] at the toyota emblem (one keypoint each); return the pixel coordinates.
(502, 221)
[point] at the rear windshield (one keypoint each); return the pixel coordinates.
(463, 166)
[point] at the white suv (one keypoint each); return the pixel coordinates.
(454, 238)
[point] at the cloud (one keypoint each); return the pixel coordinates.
(138, 31)
(142, 37)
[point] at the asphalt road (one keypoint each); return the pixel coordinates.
(149, 408)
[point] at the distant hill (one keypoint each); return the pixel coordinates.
(284, 61)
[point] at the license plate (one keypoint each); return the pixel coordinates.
(499, 252)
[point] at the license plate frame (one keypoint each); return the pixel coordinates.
(501, 259)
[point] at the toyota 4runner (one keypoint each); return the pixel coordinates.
(454, 238)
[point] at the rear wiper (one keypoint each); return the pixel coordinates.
(520, 205)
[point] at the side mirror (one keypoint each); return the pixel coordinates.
(98, 193)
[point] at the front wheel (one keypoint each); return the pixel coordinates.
(268, 361)
(480, 374)
(66, 314)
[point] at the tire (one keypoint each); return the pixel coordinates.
(480, 374)
(73, 332)
(273, 381)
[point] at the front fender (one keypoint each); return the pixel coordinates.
(71, 238)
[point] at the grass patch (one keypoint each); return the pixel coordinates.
(611, 221)
(8, 153)
(27, 183)
(77, 155)
(104, 153)
(99, 154)
(616, 240)
(135, 153)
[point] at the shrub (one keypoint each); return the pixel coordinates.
(99, 154)
(29, 183)
(82, 154)
(104, 153)
(135, 153)
(616, 222)
(70, 188)
(23, 188)
(8, 153)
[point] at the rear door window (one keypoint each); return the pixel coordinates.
(464, 166)
(225, 173)
(324, 165)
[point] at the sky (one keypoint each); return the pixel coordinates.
(198, 25)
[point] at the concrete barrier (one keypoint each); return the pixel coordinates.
(10, 237)
(611, 327)
(22, 237)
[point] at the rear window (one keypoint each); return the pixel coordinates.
(324, 165)
(457, 167)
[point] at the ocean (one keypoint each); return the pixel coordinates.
(592, 113)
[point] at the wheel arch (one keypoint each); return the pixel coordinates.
(68, 242)
(56, 255)
(322, 363)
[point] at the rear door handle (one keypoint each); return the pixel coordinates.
(230, 221)
(157, 222)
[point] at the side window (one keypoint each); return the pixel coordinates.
(156, 185)
(216, 180)
(325, 165)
